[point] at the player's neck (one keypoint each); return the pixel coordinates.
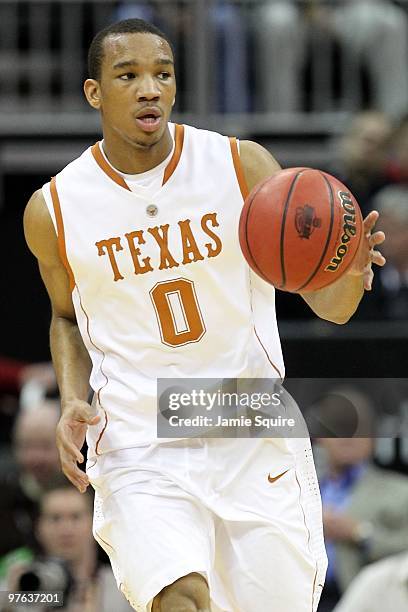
(132, 158)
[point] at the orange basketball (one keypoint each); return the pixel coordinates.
(300, 229)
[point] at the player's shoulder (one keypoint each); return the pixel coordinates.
(83, 163)
(257, 162)
(38, 226)
(207, 146)
(36, 208)
(202, 135)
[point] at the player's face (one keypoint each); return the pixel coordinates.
(137, 87)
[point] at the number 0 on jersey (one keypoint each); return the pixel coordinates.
(178, 312)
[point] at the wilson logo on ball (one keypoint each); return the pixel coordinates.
(306, 221)
(349, 231)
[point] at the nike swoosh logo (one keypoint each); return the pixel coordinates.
(275, 478)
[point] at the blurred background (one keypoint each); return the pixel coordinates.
(319, 83)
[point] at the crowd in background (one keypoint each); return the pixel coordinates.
(46, 541)
(261, 50)
(46, 524)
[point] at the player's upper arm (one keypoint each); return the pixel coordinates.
(43, 243)
(257, 162)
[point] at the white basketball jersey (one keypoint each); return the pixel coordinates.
(159, 284)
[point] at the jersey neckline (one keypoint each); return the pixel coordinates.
(118, 178)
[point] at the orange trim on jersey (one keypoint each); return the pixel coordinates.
(314, 588)
(105, 542)
(98, 392)
(275, 367)
(178, 147)
(103, 430)
(107, 168)
(309, 537)
(61, 233)
(170, 168)
(239, 171)
(267, 355)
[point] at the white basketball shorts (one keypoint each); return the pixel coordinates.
(239, 511)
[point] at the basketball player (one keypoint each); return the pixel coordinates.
(141, 228)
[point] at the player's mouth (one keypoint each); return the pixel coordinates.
(149, 119)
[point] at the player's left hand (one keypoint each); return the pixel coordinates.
(367, 254)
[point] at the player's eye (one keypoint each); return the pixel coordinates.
(127, 76)
(164, 76)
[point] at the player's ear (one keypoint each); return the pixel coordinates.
(92, 92)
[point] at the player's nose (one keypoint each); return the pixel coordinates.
(148, 89)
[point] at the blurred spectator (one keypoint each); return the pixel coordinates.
(231, 62)
(372, 33)
(360, 25)
(381, 587)
(360, 525)
(389, 297)
(399, 162)
(21, 383)
(35, 461)
(279, 49)
(15, 374)
(228, 33)
(68, 550)
(363, 155)
(141, 10)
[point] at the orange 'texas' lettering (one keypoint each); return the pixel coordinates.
(108, 245)
(188, 242)
(166, 258)
(135, 252)
(160, 234)
(213, 251)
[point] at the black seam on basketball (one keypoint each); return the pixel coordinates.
(326, 246)
(246, 232)
(282, 236)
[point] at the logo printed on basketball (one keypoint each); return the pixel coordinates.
(306, 221)
(349, 231)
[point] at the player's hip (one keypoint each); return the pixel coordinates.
(220, 472)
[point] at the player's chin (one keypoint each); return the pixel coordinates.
(147, 139)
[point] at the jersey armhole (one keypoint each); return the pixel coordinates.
(59, 223)
(46, 191)
(239, 171)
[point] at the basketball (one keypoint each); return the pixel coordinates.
(300, 229)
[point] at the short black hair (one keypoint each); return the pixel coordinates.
(126, 26)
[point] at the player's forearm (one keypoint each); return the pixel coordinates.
(71, 360)
(339, 301)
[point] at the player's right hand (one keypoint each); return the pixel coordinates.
(71, 432)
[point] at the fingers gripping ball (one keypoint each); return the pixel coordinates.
(300, 229)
